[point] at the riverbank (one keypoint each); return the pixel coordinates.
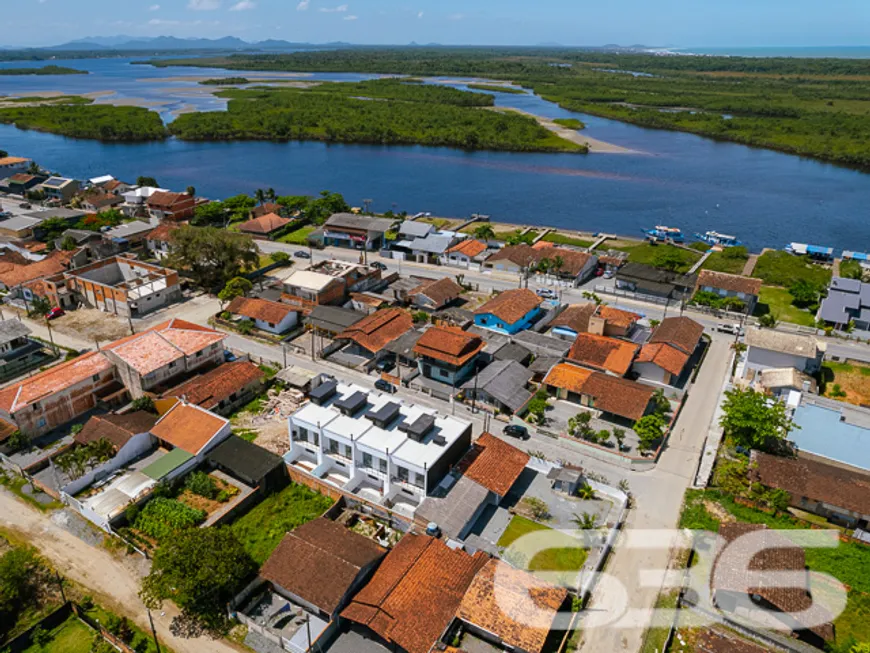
(593, 145)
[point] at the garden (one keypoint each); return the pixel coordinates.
(730, 260)
(261, 530)
(779, 303)
(794, 286)
(72, 636)
(566, 554)
(849, 382)
(666, 257)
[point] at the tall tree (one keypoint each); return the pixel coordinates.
(260, 196)
(484, 232)
(213, 256)
(755, 421)
(142, 180)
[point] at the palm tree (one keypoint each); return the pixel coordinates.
(260, 195)
(586, 521)
(270, 195)
(558, 264)
(586, 492)
(544, 266)
(484, 232)
(191, 190)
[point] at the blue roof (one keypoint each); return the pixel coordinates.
(858, 256)
(822, 433)
(815, 249)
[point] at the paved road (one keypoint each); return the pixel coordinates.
(109, 580)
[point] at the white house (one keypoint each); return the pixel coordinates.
(273, 317)
(466, 253)
(767, 348)
(12, 165)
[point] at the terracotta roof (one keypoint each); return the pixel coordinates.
(729, 282)
(209, 389)
(162, 344)
(617, 316)
(7, 429)
(166, 199)
(494, 464)
(113, 184)
(163, 232)
(680, 332)
(375, 331)
(188, 427)
(669, 358)
(20, 274)
(414, 594)
(10, 160)
(817, 481)
(53, 380)
(100, 199)
(514, 605)
(265, 224)
(471, 247)
(774, 553)
(264, 209)
(439, 291)
(573, 261)
(575, 317)
(22, 177)
(260, 309)
(320, 561)
(511, 306)
(715, 641)
(449, 344)
(609, 393)
(117, 429)
(601, 352)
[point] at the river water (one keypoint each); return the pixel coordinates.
(765, 198)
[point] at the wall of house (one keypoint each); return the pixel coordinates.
(759, 359)
(137, 384)
(137, 446)
(243, 396)
(438, 371)
(449, 458)
(652, 372)
(290, 321)
(490, 321)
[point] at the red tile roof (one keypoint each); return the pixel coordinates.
(16, 275)
(376, 331)
(188, 427)
(440, 291)
(163, 232)
(162, 344)
(494, 464)
(730, 282)
(53, 381)
(603, 353)
(260, 309)
(209, 389)
(609, 393)
(511, 306)
(263, 209)
(320, 561)
(117, 429)
(265, 224)
(449, 344)
(714, 641)
(573, 262)
(576, 317)
(414, 594)
(166, 200)
(514, 605)
(470, 247)
(679, 332)
(670, 359)
(617, 316)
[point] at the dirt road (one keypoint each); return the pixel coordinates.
(110, 581)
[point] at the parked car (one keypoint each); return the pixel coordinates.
(547, 293)
(379, 266)
(301, 254)
(55, 312)
(608, 274)
(385, 365)
(599, 272)
(733, 329)
(516, 431)
(385, 386)
(229, 356)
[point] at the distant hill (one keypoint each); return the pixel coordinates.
(175, 44)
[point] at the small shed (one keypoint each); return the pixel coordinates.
(250, 464)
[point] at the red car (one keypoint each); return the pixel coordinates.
(599, 272)
(55, 312)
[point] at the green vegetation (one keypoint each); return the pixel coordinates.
(561, 239)
(567, 555)
(570, 123)
(26, 594)
(212, 256)
(851, 269)
(715, 300)
(811, 107)
(666, 257)
(779, 303)
(72, 636)
(777, 268)
(45, 70)
(298, 237)
(846, 382)
(95, 121)
(754, 422)
(393, 114)
(495, 88)
(225, 81)
(262, 529)
(731, 260)
(59, 99)
(655, 636)
(163, 519)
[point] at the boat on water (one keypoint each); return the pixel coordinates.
(715, 238)
(667, 234)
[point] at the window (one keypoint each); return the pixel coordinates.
(333, 446)
(382, 465)
(171, 365)
(41, 423)
(271, 326)
(443, 372)
(198, 354)
(403, 474)
(367, 460)
(419, 481)
(95, 378)
(347, 451)
(233, 397)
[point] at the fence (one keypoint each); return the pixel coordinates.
(632, 294)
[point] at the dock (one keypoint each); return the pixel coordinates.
(700, 262)
(601, 239)
(474, 218)
(542, 235)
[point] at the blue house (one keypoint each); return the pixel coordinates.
(509, 312)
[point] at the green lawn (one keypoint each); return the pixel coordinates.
(777, 268)
(298, 237)
(778, 301)
(72, 636)
(654, 255)
(566, 555)
(560, 239)
(263, 528)
(853, 382)
(732, 263)
(105, 617)
(570, 123)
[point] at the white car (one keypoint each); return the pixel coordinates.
(733, 329)
(547, 293)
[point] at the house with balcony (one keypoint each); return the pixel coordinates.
(448, 354)
(306, 289)
(59, 189)
(374, 445)
(10, 165)
(175, 207)
(135, 200)
(509, 312)
(18, 352)
(355, 231)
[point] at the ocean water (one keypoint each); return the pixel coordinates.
(833, 52)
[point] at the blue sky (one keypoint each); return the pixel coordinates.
(708, 23)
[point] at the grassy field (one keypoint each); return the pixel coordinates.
(495, 88)
(103, 616)
(730, 262)
(570, 123)
(561, 239)
(565, 556)
(72, 636)
(777, 268)
(654, 255)
(298, 237)
(853, 380)
(263, 528)
(778, 301)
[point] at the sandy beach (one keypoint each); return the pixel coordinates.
(253, 76)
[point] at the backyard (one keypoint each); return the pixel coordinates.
(562, 239)
(262, 529)
(776, 268)
(72, 636)
(731, 260)
(566, 553)
(663, 256)
(849, 382)
(778, 302)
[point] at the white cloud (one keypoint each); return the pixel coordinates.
(350, 17)
(244, 5)
(420, 15)
(160, 21)
(303, 5)
(154, 8)
(340, 9)
(204, 5)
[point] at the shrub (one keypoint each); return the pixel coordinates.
(279, 257)
(226, 315)
(40, 637)
(162, 518)
(223, 496)
(245, 327)
(132, 513)
(144, 403)
(202, 484)
(87, 602)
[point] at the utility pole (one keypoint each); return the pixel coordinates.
(474, 396)
(284, 351)
(51, 337)
(60, 585)
(312, 344)
(153, 631)
(130, 322)
(367, 203)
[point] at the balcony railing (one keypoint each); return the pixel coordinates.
(371, 470)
